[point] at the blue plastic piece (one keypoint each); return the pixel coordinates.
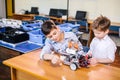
(23, 47)
(2, 29)
(41, 18)
(31, 26)
(69, 27)
(114, 28)
(36, 36)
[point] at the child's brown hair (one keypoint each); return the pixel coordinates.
(101, 23)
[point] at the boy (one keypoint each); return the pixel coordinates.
(56, 41)
(102, 47)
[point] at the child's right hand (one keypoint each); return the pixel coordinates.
(55, 59)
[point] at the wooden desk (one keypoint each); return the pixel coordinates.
(30, 67)
(23, 16)
(60, 20)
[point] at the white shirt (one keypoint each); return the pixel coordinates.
(103, 48)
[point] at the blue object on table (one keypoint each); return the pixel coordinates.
(23, 47)
(27, 47)
(2, 29)
(114, 28)
(71, 21)
(41, 18)
(13, 35)
(69, 27)
(119, 32)
(36, 36)
(29, 26)
(5, 29)
(83, 23)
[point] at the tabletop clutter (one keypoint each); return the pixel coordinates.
(14, 32)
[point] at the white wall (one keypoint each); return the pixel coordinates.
(2, 8)
(109, 8)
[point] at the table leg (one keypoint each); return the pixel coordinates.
(13, 74)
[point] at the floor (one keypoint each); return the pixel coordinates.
(4, 72)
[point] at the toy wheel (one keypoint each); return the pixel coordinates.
(73, 66)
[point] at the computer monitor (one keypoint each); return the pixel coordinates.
(80, 15)
(34, 10)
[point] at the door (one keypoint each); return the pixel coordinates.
(10, 8)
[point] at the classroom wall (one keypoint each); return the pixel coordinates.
(109, 8)
(2, 8)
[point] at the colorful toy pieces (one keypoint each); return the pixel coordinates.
(73, 58)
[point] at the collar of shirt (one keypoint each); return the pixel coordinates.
(102, 38)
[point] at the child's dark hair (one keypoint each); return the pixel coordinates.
(47, 27)
(101, 23)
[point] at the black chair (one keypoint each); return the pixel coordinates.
(55, 13)
(63, 12)
(81, 19)
(34, 10)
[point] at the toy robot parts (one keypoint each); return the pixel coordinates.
(11, 22)
(73, 66)
(76, 61)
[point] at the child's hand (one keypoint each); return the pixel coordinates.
(55, 59)
(93, 61)
(89, 53)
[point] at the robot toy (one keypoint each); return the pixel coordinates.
(73, 58)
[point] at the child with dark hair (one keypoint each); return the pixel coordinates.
(56, 42)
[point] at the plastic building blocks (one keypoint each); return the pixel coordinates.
(74, 59)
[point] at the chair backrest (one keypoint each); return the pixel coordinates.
(53, 12)
(80, 15)
(57, 12)
(34, 10)
(63, 11)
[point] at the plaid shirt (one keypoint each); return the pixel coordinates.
(59, 47)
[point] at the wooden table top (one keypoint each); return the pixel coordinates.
(31, 64)
(24, 14)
